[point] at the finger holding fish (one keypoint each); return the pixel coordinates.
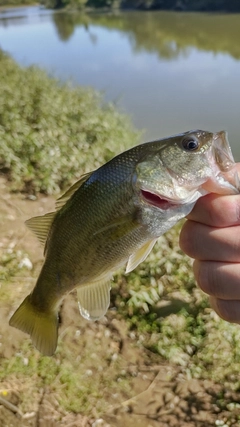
(216, 210)
(204, 242)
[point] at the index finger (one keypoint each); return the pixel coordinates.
(217, 211)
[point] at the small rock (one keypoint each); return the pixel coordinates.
(25, 262)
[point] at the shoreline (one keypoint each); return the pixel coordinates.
(104, 9)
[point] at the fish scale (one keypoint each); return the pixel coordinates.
(113, 216)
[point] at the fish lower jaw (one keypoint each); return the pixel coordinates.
(220, 185)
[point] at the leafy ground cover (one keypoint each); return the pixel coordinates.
(51, 132)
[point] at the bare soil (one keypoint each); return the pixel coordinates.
(156, 394)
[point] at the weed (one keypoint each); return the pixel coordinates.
(51, 133)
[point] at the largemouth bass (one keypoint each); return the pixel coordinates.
(114, 216)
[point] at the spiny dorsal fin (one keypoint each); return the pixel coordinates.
(60, 202)
(94, 299)
(140, 255)
(40, 225)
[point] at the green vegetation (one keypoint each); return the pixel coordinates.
(77, 388)
(52, 133)
(171, 317)
(168, 35)
(197, 5)
(7, 3)
(181, 4)
(193, 5)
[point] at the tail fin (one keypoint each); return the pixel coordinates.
(42, 327)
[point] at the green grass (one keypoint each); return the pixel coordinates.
(51, 132)
(171, 317)
(76, 389)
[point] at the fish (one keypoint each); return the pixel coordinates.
(114, 216)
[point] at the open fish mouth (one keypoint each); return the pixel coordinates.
(217, 184)
(225, 177)
(222, 151)
(157, 200)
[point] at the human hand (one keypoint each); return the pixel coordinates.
(211, 236)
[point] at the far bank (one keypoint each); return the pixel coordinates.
(179, 5)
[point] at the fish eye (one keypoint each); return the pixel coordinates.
(190, 143)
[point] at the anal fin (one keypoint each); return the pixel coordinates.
(94, 299)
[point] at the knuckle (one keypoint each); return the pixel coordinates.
(230, 210)
(224, 211)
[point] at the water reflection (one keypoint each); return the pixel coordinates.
(23, 15)
(170, 34)
(66, 22)
(169, 71)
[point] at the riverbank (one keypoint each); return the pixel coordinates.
(51, 133)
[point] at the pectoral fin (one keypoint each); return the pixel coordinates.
(119, 227)
(94, 299)
(140, 255)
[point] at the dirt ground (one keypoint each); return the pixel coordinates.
(156, 394)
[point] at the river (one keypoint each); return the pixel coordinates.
(170, 71)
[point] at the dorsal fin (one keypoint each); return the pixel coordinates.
(60, 202)
(40, 225)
